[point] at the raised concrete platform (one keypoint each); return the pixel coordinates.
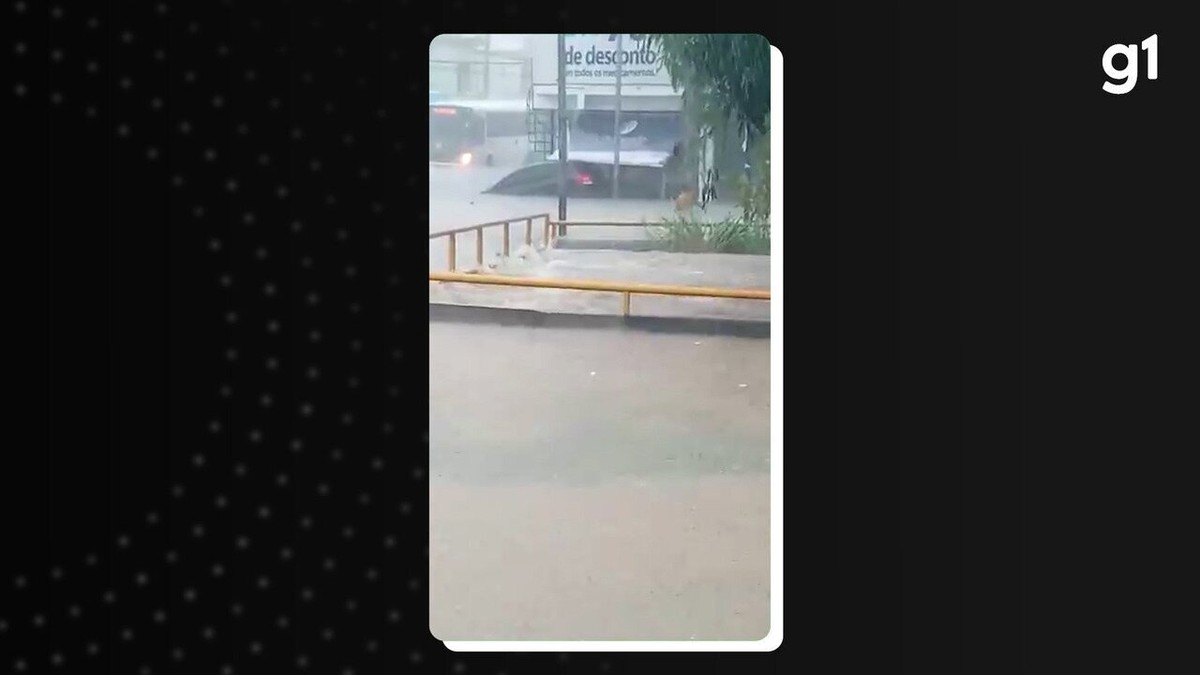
(500, 316)
(573, 243)
(689, 269)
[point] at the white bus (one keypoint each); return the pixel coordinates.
(505, 129)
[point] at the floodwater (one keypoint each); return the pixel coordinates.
(456, 200)
(592, 485)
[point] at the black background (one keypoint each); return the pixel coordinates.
(1014, 350)
(215, 441)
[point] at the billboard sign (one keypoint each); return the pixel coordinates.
(591, 59)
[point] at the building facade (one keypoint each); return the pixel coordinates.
(480, 66)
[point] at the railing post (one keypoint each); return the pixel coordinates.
(452, 251)
(479, 246)
(505, 240)
(528, 231)
(625, 303)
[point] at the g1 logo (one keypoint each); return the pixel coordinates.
(1125, 79)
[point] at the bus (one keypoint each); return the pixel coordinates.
(456, 134)
(469, 132)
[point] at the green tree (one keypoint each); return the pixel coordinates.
(726, 83)
(725, 72)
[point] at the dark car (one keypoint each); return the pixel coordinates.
(651, 147)
(585, 179)
(542, 179)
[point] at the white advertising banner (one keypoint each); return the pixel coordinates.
(592, 59)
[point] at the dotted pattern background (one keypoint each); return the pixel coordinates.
(229, 471)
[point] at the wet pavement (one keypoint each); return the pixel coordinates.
(598, 485)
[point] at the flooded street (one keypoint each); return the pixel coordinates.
(598, 485)
(594, 485)
(456, 200)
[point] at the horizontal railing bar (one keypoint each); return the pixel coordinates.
(478, 226)
(600, 223)
(603, 286)
(554, 223)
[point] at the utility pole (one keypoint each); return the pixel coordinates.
(487, 66)
(616, 174)
(562, 130)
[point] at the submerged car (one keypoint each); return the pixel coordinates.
(589, 178)
(650, 148)
(541, 178)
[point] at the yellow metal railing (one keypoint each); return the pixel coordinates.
(601, 223)
(624, 288)
(548, 235)
(551, 230)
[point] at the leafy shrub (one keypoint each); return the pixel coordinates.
(732, 235)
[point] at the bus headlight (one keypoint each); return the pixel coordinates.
(465, 158)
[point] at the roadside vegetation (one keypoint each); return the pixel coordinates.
(726, 85)
(733, 235)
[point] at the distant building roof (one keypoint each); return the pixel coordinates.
(488, 105)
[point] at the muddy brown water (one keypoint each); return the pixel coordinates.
(591, 485)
